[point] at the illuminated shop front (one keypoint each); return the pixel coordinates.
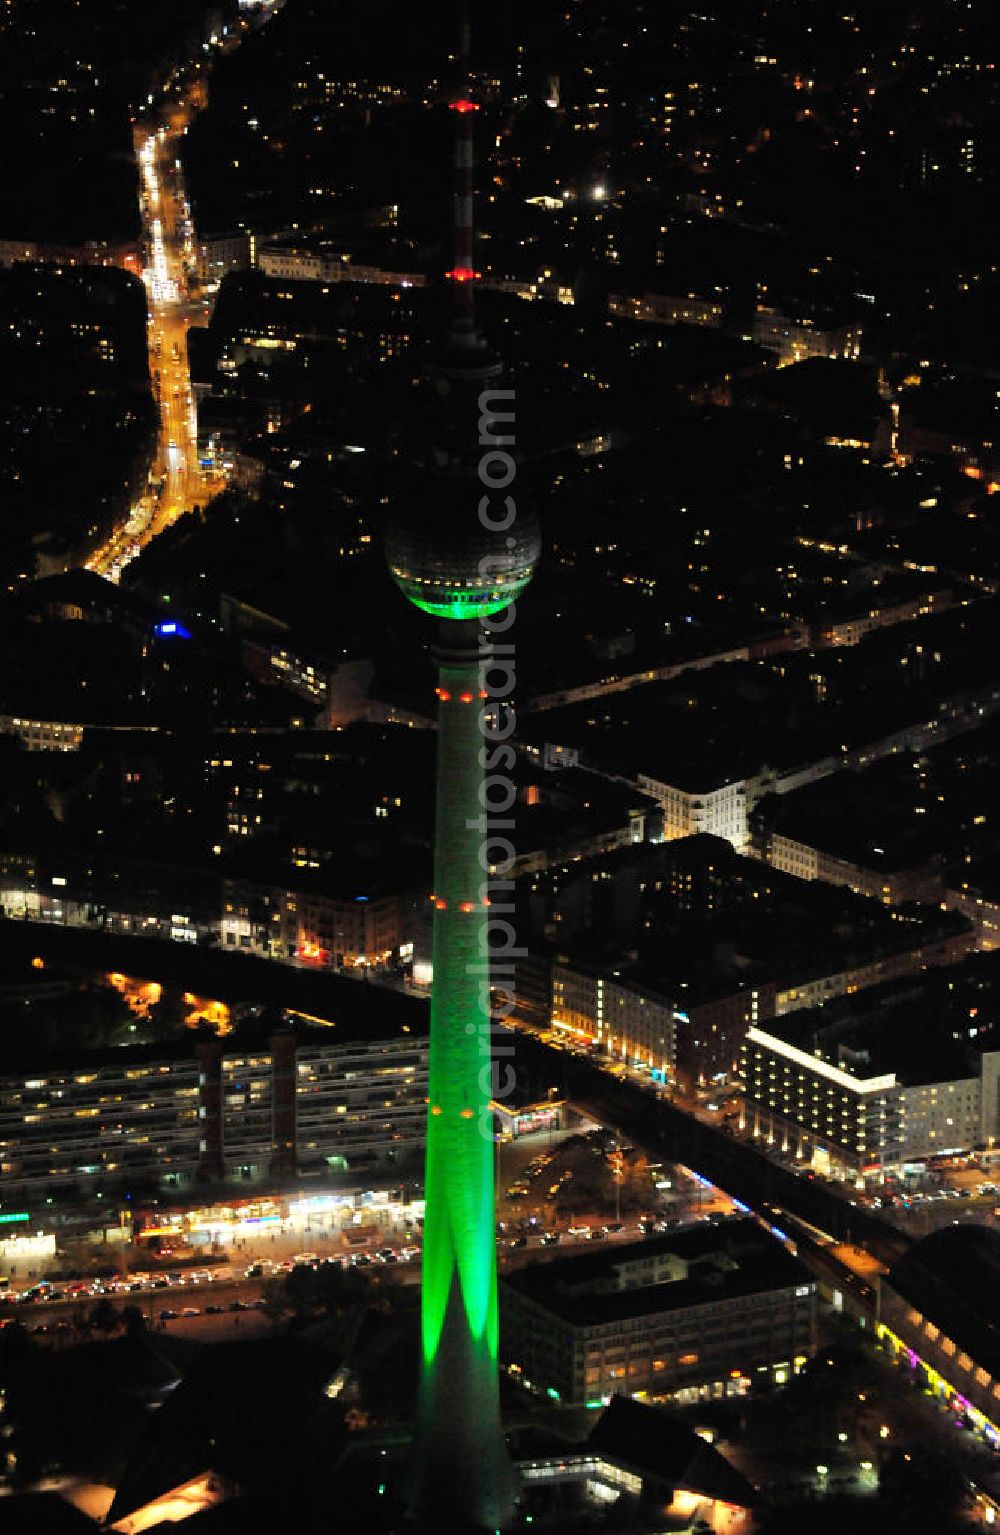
(251, 1219)
(938, 1315)
(514, 1120)
(938, 1386)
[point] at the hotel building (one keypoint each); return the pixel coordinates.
(881, 1081)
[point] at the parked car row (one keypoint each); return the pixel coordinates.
(45, 1290)
(167, 1314)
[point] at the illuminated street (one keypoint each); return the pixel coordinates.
(177, 483)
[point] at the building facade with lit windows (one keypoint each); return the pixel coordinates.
(121, 895)
(668, 308)
(359, 1105)
(718, 811)
(305, 1103)
(312, 927)
(299, 265)
(299, 1102)
(796, 336)
(694, 1314)
(665, 996)
(113, 1118)
(258, 919)
(42, 735)
(890, 886)
(854, 1120)
(623, 1019)
(352, 933)
(873, 832)
(246, 1113)
(881, 1081)
(89, 253)
(216, 255)
(976, 894)
(337, 687)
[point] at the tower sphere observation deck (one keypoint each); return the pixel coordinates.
(447, 562)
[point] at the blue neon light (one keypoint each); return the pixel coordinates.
(170, 626)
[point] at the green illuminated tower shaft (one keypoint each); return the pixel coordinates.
(463, 1478)
(461, 553)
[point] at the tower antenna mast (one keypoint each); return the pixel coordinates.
(463, 274)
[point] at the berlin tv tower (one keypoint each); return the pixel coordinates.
(460, 571)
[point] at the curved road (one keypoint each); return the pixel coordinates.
(177, 483)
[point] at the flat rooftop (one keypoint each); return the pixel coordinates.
(695, 920)
(851, 816)
(707, 728)
(719, 1261)
(931, 1028)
